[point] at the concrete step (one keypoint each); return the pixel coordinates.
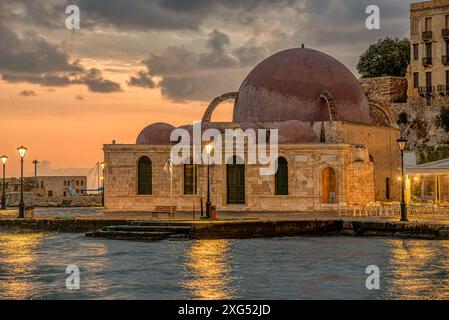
(149, 228)
(129, 235)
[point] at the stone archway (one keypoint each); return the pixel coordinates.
(211, 108)
(329, 98)
(385, 113)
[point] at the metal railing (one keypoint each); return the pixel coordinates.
(443, 89)
(426, 90)
(445, 33)
(427, 35)
(393, 209)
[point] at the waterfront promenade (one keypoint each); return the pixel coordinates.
(100, 214)
(230, 225)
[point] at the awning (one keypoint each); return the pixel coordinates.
(435, 167)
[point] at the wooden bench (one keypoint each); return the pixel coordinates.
(164, 209)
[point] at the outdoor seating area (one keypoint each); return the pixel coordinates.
(393, 209)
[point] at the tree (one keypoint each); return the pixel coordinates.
(442, 119)
(386, 57)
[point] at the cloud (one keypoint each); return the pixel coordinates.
(250, 54)
(136, 14)
(342, 22)
(188, 75)
(32, 54)
(240, 33)
(199, 87)
(34, 60)
(27, 93)
(142, 79)
(94, 80)
(217, 57)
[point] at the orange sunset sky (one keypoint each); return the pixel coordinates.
(64, 93)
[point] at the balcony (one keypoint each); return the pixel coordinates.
(445, 33)
(426, 90)
(427, 61)
(427, 35)
(443, 89)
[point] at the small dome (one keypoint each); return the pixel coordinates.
(294, 131)
(289, 84)
(156, 133)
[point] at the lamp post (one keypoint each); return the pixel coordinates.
(35, 162)
(22, 152)
(401, 143)
(4, 159)
(209, 149)
(102, 184)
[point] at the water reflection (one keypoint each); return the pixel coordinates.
(208, 271)
(418, 269)
(18, 254)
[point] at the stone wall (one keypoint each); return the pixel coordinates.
(421, 128)
(421, 112)
(30, 199)
(360, 182)
(381, 146)
(384, 92)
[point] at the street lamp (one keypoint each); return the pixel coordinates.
(4, 159)
(209, 148)
(102, 184)
(22, 152)
(35, 162)
(401, 143)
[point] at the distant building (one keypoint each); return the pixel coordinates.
(416, 100)
(48, 186)
(429, 35)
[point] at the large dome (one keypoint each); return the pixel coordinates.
(290, 85)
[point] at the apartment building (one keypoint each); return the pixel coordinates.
(429, 35)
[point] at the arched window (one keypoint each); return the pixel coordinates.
(190, 178)
(281, 177)
(144, 176)
(329, 185)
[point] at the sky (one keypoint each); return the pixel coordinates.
(64, 93)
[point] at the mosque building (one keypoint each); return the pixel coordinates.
(330, 150)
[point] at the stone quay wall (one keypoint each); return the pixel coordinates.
(251, 229)
(30, 199)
